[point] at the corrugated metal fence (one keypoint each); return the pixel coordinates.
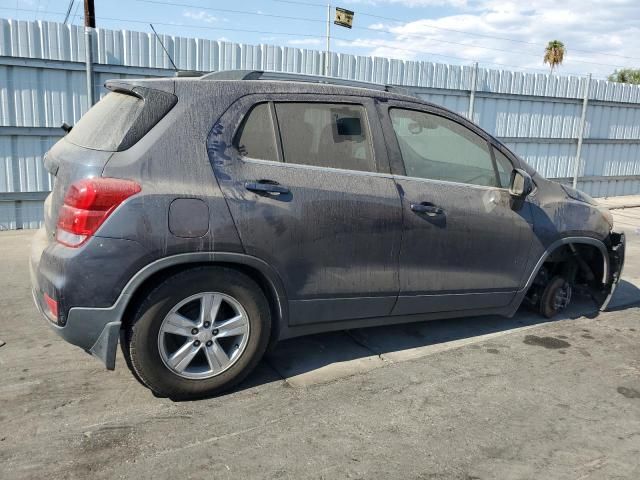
(43, 83)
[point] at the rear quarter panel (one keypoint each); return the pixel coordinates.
(170, 163)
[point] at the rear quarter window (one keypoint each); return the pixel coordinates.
(256, 137)
(120, 119)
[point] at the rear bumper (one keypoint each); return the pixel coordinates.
(616, 252)
(95, 330)
(53, 271)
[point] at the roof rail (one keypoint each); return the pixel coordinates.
(298, 77)
(188, 73)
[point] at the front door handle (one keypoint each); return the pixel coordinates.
(427, 208)
(267, 186)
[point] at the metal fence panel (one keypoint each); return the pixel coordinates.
(43, 82)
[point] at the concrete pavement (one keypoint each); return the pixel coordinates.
(621, 202)
(476, 398)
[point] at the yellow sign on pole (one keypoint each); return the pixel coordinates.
(344, 18)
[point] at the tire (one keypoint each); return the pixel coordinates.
(549, 305)
(149, 343)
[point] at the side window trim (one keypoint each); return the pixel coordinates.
(494, 164)
(276, 128)
(513, 160)
(506, 153)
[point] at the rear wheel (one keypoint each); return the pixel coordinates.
(199, 333)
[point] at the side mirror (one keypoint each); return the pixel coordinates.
(520, 187)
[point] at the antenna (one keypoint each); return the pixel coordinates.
(66, 17)
(163, 47)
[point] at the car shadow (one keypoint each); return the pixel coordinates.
(328, 356)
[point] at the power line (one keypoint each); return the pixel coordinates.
(422, 52)
(463, 32)
(317, 36)
(264, 32)
(203, 27)
(531, 54)
(75, 13)
(494, 36)
(30, 10)
(466, 59)
(228, 10)
(437, 40)
(377, 30)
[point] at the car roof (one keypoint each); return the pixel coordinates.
(257, 81)
(293, 86)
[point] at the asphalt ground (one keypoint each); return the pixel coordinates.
(474, 398)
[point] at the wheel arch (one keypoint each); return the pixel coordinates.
(556, 245)
(266, 277)
(594, 242)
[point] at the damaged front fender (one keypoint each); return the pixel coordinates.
(615, 248)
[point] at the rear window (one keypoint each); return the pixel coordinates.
(326, 135)
(117, 122)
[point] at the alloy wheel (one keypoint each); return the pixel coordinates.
(203, 335)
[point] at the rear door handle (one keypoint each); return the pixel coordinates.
(427, 208)
(267, 186)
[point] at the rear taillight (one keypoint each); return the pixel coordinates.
(52, 305)
(87, 205)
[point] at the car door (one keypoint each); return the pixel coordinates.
(463, 246)
(309, 188)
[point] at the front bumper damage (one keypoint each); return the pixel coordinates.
(616, 250)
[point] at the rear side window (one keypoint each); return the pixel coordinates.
(437, 148)
(325, 135)
(256, 137)
(119, 120)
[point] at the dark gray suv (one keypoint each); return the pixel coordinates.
(199, 220)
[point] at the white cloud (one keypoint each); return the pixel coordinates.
(201, 16)
(479, 32)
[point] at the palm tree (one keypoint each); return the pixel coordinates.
(626, 75)
(554, 53)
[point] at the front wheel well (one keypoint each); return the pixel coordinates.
(144, 289)
(583, 265)
(588, 259)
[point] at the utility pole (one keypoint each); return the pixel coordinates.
(327, 60)
(472, 93)
(583, 118)
(89, 26)
(89, 14)
(344, 18)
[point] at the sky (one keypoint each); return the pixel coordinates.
(599, 36)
